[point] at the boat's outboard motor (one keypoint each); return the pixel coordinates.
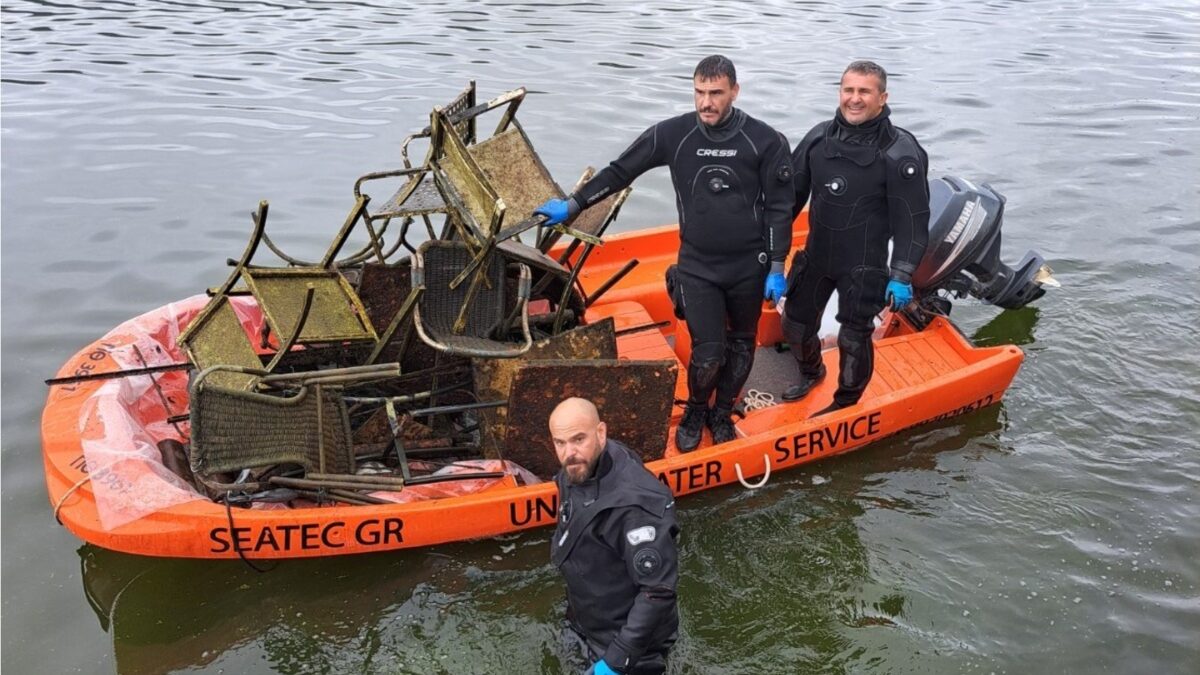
(963, 256)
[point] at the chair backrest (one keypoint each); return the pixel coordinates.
(234, 430)
(436, 264)
(515, 171)
(593, 220)
(216, 337)
(463, 183)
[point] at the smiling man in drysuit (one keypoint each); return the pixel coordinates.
(615, 546)
(867, 179)
(733, 188)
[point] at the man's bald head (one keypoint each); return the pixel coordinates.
(579, 437)
(575, 409)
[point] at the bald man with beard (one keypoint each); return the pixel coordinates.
(615, 546)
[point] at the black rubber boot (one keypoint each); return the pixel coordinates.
(832, 407)
(721, 426)
(856, 363)
(806, 349)
(687, 434)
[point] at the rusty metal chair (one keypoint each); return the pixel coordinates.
(306, 424)
(464, 319)
(418, 195)
(300, 305)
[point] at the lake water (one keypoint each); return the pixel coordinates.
(1057, 532)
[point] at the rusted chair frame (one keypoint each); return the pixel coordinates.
(221, 297)
(503, 349)
(325, 269)
(243, 270)
(319, 383)
(464, 101)
(614, 204)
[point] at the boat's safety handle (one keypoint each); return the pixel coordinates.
(763, 481)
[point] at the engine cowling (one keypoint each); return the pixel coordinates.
(963, 256)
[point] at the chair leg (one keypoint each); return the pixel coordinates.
(394, 424)
(360, 207)
(460, 324)
(402, 315)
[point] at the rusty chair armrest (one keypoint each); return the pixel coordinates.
(376, 175)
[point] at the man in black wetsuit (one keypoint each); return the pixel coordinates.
(867, 181)
(615, 545)
(733, 189)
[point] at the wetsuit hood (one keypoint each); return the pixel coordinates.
(726, 128)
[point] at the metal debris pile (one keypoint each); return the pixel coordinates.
(444, 339)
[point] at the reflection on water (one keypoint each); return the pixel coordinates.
(403, 612)
(1012, 327)
(774, 578)
(1057, 530)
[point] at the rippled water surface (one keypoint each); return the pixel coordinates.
(1056, 532)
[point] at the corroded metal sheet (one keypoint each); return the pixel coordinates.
(634, 399)
(376, 430)
(383, 289)
(494, 377)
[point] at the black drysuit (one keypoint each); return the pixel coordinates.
(734, 192)
(615, 546)
(868, 185)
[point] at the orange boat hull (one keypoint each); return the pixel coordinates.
(920, 377)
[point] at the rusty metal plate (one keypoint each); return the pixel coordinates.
(634, 399)
(494, 377)
(383, 289)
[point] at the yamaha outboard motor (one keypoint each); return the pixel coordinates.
(963, 256)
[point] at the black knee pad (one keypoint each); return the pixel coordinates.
(739, 358)
(702, 379)
(708, 351)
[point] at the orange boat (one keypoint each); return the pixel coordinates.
(926, 370)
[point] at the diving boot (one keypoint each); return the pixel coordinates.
(800, 390)
(832, 407)
(687, 434)
(721, 426)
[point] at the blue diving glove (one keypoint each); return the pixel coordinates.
(555, 210)
(898, 294)
(601, 668)
(775, 287)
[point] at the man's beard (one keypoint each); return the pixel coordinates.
(577, 471)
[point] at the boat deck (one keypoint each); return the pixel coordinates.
(901, 362)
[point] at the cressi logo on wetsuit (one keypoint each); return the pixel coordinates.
(733, 189)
